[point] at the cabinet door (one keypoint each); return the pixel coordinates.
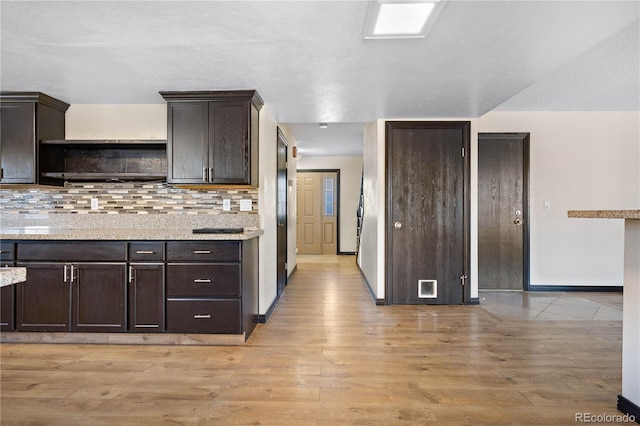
(42, 301)
(229, 147)
(99, 296)
(146, 297)
(187, 142)
(17, 142)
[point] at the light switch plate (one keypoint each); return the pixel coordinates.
(94, 204)
(226, 204)
(547, 205)
(245, 205)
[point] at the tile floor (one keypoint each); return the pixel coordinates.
(552, 306)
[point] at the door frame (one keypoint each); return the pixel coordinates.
(337, 198)
(465, 126)
(526, 136)
(282, 205)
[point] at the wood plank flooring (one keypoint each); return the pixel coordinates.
(329, 356)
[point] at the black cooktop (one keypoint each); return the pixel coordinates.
(218, 231)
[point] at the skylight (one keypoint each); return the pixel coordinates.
(402, 18)
(399, 18)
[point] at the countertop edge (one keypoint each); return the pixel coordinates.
(604, 214)
(122, 235)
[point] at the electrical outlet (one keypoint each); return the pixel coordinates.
(94, 204)
(547, 205)
(245, 205)
(226, 204)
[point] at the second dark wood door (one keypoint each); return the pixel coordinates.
(426, 218)
(502, 211)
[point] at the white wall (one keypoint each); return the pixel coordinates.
(371, 255)
(116, 121)
(579, 160)
(267, 174)
(350, 179)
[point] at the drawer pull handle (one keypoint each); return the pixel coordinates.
(202, 252)
(202, 316)
(145, 252)
(202, 281)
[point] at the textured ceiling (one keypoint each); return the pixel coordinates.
(310, 63)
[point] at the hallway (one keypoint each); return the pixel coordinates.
(330, 356)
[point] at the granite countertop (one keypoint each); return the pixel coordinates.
(605, 214)
(48, 233)
(10, 275)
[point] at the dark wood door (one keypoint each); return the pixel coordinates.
(99, 297)
(17, 142)
(427, 219)
(503, 210)
(146, 297)
(229, 148)
(281, 212)
(187, 142)
(42, 301)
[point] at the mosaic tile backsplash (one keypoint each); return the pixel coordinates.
(124, 198)
(125, 206)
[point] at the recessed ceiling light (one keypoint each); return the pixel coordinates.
(399, 19)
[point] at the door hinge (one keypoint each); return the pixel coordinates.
(463, 151)
(463, 280)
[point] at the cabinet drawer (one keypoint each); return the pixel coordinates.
(204, 251)
(203, 280)
(7, 251)
(203, 316)
(72, 251)
(146, 251)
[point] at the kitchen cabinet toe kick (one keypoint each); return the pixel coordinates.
(125, 338)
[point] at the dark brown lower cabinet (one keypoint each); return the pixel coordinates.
(72, 297)
(7, 293)
(212, 286)
(146, 297)
(43, 300)
(204, 316)
(99, 297)
(7, 309)
(137, 286)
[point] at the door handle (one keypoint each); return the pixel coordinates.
(397, 225)
(518, 221)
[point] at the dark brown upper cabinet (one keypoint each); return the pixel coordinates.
(212, 137)
(26, 118)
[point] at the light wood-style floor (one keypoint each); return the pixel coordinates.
(329, 356)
